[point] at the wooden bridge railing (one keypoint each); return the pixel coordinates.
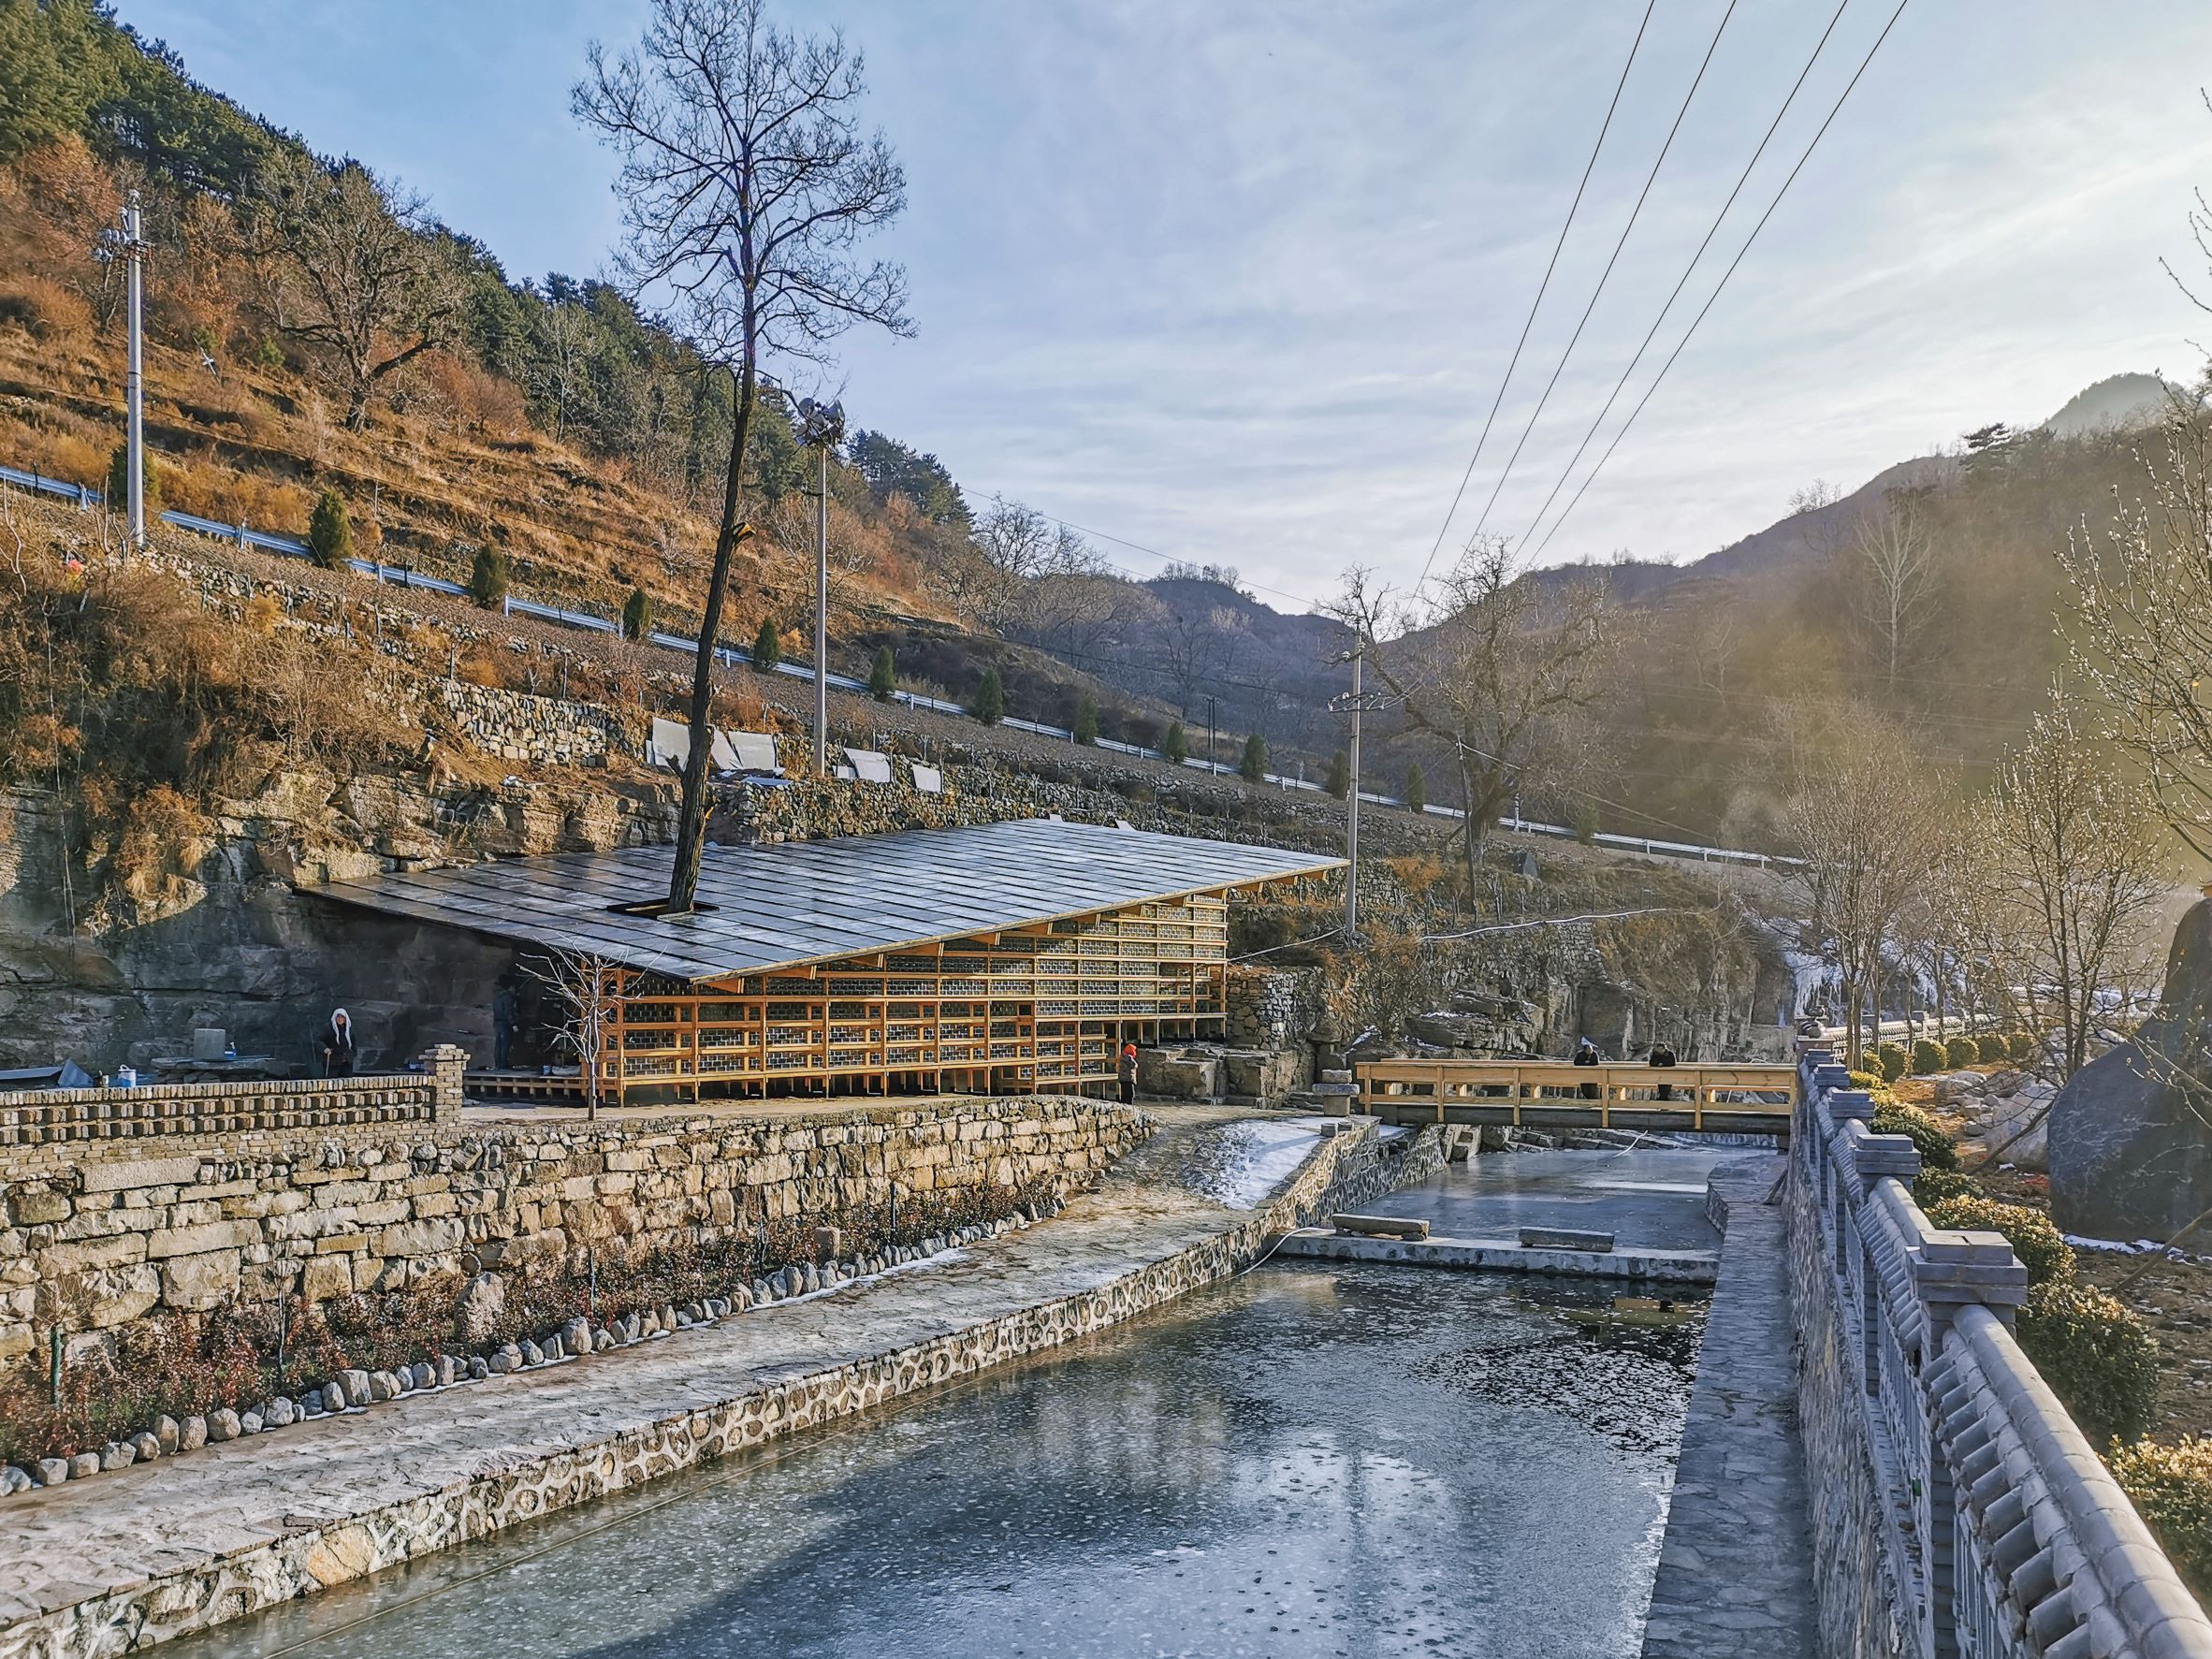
(1758, 1098)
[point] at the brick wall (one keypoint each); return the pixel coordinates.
(102, 1232)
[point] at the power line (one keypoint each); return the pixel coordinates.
(1530, 322)
(1605, 275)
(1742, 180)
(1725, 276)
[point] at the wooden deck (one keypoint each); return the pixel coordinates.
(1553, 1094)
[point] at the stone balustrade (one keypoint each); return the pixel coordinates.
(1957, 1510)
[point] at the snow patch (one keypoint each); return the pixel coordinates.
(1256, 1157)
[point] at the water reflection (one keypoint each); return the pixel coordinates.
(1311, 1461)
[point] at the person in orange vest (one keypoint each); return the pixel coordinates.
(1129, 1074)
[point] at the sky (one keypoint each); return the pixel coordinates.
(1237, 283)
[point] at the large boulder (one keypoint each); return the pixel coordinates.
(2131, 1134)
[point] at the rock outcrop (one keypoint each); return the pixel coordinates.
(2131, 1134)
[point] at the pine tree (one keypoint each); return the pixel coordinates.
(488, 579)
(1254, 768)
(1086, 718)
(1340, 774)
(119, 484)
(330, 532)
(637, 613)
(883, 677)
(1417, 789)
(990, 699)
(767, 647)
(1175, 747)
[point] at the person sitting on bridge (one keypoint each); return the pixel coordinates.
(1662, 1054)
(1586, 1054)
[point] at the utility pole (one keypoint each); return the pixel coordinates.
(1212, 736)
(822, 617)
(132, 245)
(1356, 703)
(821, 425)
(1351, 838)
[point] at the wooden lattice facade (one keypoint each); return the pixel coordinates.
(1039, 1008)
(1004, 957)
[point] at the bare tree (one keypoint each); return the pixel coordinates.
(586, 990)
(746, 187)
(1867, 847)
(2143, 626)
(1013, 539)
(357, 268)
(560, 369)
(1502, 661)
(1891, 578)
(2074, 884)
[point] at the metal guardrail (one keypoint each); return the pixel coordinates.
(2004, 1533)
(403, 576)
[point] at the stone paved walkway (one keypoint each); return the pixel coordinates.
(122, 1559)
(1735, 1577)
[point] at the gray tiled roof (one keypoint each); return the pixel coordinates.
(815, 901)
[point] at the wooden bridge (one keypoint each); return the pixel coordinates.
(1554, 1095)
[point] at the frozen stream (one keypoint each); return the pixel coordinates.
(1310, 1459)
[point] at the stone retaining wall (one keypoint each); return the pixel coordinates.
(131, 1229)
(317, 1552)
(543, 730)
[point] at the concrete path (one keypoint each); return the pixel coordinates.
(120, 1560)
(1735, 1577)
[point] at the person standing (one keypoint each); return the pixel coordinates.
(1129, 1074)
(1586, 1054)
(334, 1045)
(1662, 1057)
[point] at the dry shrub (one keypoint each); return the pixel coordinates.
(164, 837)
(739, 709)
(261, 615)
(480, 665)
(58, 199)
(76, 459)
(43, 306)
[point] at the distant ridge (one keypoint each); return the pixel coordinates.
(2117, 402)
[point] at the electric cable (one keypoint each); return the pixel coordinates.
(1552, 264)
(1810, 148)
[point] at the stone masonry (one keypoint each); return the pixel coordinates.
(101, 1232)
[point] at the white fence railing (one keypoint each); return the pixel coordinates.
(2005, 1534)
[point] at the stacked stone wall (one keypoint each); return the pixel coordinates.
(100, 1233)
(543, 731)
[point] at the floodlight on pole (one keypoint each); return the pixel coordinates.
(820, 426)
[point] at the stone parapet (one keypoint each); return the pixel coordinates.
(1956, 1507)
(42, 1131)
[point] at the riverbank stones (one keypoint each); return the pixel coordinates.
(168, 1434)
(191, 1433)
(84, 1465)
(145, 1447)
(52, 1471)
(221, 1425)
(117, 1455)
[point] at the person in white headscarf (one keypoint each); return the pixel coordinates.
(334, 1045)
